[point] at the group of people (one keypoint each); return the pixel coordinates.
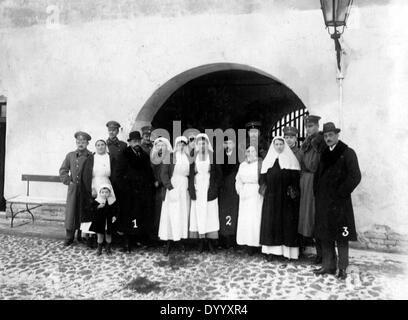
(279, 199)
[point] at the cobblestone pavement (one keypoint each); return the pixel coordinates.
(33, 268)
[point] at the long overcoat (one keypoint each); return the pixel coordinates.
(70, 175)
(136, 177)
(337, 176)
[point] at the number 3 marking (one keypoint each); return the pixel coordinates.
(228, 221)
(134, 224)
(345, 232)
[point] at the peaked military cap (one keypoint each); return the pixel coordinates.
(113, 124)
(147, 129)
(253, 124)
(83, 135)
(312, 119)
(290, 131)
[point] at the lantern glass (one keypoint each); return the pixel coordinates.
(335, 12)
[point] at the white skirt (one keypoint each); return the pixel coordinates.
(249, 215)
(175, 210)
(288, 252)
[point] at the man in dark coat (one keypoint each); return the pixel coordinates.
(290, 136)
(337, 176)
(115, 149)
(136, 177)
(147, 144)
(255, 139)
(70, 175)
(228, 199)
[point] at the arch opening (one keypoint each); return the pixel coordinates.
(221, 96)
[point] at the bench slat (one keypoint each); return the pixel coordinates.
(37, 200)
(40, 178)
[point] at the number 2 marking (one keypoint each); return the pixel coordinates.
(345, 232)
(134, 224)
(228, 221)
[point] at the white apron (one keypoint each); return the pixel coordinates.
(176, 205)
(204, 215)
(250, 205)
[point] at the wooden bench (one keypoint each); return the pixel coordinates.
(30, 202)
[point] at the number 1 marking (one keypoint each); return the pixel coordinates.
(134, 223)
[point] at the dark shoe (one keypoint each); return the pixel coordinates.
(322, 271)
(342, 275)
(167, 248)
(201, 246)
(99, 249)
(318, 260)
(211, 246)
(108, 249)
(68, 242)
(79, 236)
(90, 242)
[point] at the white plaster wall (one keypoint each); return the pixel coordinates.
(79, 76)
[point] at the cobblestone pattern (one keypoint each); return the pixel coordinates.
(32, 268)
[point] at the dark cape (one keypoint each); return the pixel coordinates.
(337, 176)
(280, 212)
(102, 217)
(228, 199)
(137, 205)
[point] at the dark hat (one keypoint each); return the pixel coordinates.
(290, 131)
(253, 124)
(312, 119)
(329, 127)
(134, 135)
(81, 134)
(113, 124)
(147, 129)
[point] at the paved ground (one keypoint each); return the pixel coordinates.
(34, 268)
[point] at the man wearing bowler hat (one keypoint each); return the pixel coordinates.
(309, 158)
(70, 175)
(337, 176)
(137, 180)
(290, 136)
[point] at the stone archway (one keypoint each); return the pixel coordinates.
(253, 94)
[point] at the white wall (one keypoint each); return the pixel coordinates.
(79, 76)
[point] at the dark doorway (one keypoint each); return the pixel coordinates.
(228, 99)
(3, 105)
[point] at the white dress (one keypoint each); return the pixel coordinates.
(204, 214)
(176, 205)
(101, 172)
(250, 205)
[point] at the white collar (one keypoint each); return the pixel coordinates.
(332, 147)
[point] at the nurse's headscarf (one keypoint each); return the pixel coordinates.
(165, 141)
(287, 159)
(203, 136)
(111, 199)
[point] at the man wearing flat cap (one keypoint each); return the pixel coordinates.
(255, 139)
(136, 178)
(70, 175)
(338, 174)
(290, 136)
(309, 158)
(147, 144)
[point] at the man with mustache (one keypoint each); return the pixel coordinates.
(337, 176)
(137, 180)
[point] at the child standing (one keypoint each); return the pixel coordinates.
(104, 211)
